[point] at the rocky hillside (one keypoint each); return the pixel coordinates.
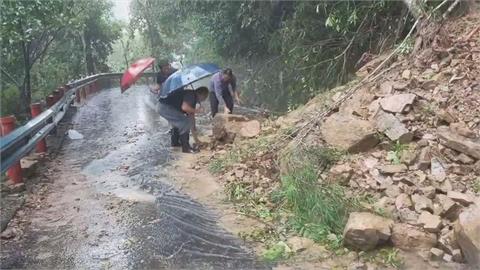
(403, 146)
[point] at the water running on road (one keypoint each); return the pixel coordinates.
(108, 206)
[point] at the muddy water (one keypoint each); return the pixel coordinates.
(109, 204)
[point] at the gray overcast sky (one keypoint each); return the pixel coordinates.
(121, 9)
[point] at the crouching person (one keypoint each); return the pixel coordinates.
(179, 109)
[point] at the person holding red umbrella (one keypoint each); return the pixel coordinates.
(165, 69)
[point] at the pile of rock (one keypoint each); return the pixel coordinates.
(420, 127)
(227, 126)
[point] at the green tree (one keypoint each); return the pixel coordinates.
(47, 42)
(28, 30)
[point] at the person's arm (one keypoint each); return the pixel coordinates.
(186, 107)
(194, 131)
(188, 104)
(235, 91)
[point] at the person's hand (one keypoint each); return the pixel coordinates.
(239, 101)
(199, 110)
(226, 110)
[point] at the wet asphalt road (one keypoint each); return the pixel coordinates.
(109, 205)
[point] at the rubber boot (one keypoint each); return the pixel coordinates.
(185, 141)
(175, 137)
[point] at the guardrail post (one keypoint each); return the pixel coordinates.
(83, 94)
(7, 125)
(57, 94)
(78, 98)
(50, 100)
(36, 109)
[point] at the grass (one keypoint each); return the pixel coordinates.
(395, 154)
(276, 252)
(317, 157)
(406, 47)
(476, 185)
(319, 209)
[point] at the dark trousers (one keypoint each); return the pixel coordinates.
(227, 97)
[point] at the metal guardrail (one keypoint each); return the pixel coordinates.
(23, 139)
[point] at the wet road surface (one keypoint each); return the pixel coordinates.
(109, 206)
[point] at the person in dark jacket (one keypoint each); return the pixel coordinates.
(165, 70)
(179, 109)
(220, 85)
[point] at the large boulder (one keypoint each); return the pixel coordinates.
(349, 133)
(408, 237)
(460, 143)
(467, 233)
(227, 126)
(365, 231)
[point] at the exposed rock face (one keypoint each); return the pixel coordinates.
(392, 127)
(460, 143)
(227, 126)
(467, 232)
(397, 103)
(408, 237)
(365, 231)
(349, 133)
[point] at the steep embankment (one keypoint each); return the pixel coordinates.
(391, 173)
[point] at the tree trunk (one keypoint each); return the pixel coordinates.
(88, 55)
(26, 89)
(125, 52)
(84, 47)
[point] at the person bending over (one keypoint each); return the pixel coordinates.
(179, 109)
(220, 91)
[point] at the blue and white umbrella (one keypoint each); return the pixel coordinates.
(187, 76)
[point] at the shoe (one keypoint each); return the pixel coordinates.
(185, 141)
(175, 137)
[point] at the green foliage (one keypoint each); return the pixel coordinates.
(476, 185)
(319, 158)
(284, 52)
(396, 153)
(46, 43)
(319, 208)
(276, 252)
(406, 47)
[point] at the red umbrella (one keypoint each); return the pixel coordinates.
(133, 73)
